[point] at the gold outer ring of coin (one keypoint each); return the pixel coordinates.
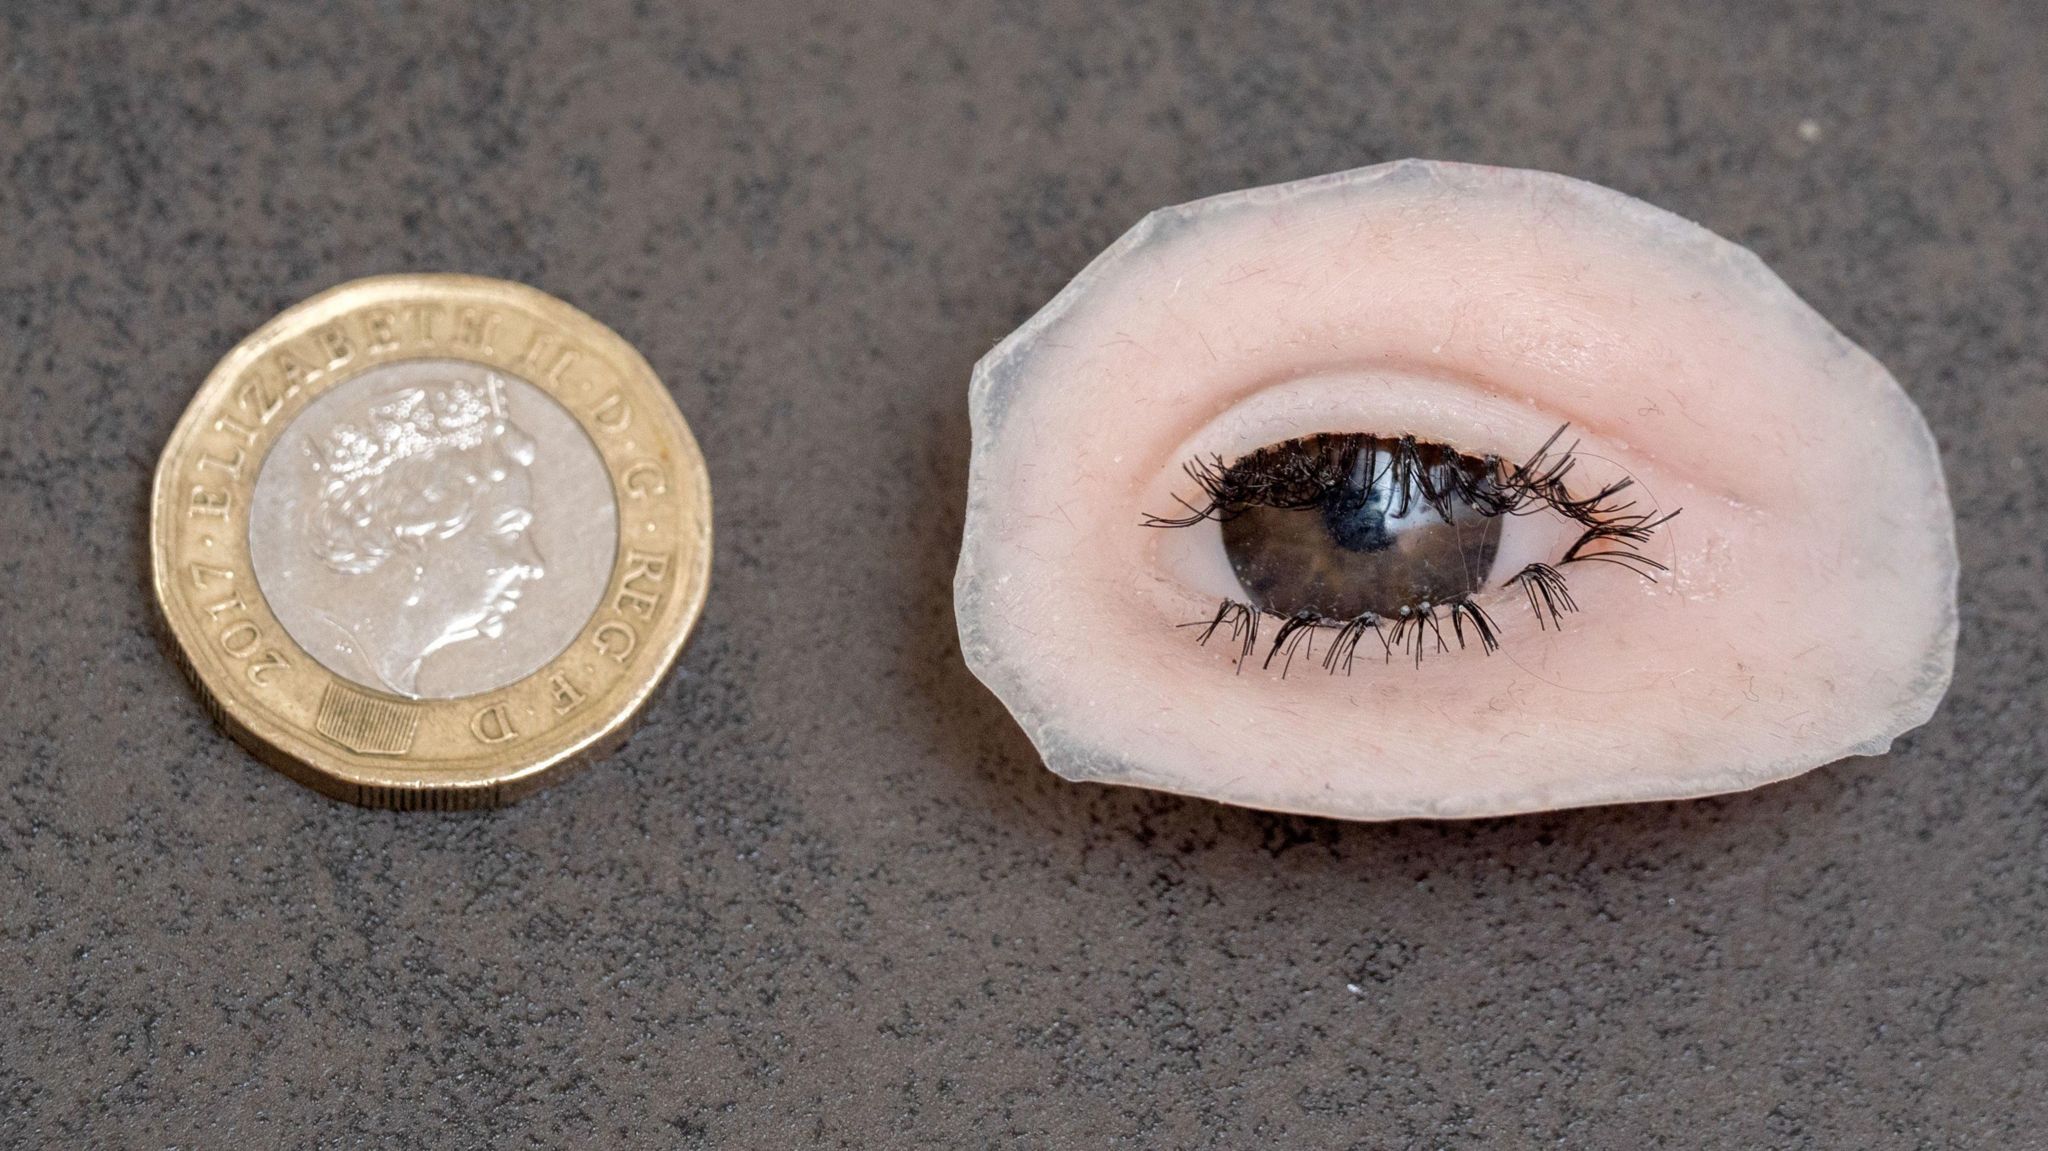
(385, 750)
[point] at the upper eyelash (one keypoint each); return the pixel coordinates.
(1300, 473)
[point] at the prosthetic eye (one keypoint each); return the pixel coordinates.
(1439, 490)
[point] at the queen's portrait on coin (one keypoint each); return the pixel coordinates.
(424, 498)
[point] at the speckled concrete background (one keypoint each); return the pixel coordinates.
(827, 897)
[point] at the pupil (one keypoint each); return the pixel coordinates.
(1368, 542)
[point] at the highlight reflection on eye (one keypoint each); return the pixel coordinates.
(1330, 411)
(1361, 536)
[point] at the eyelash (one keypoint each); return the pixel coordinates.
(1302, 473)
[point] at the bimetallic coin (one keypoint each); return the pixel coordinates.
(424, 541)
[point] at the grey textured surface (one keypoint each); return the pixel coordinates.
(827, 897)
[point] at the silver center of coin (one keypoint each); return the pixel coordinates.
(433, 528)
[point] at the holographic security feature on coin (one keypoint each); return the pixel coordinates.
(425, 540)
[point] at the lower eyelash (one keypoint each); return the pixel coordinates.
(1549, 599)
(1424, 630)
(1415, 633)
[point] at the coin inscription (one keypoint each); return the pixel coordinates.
(433, 528)
(423, 541)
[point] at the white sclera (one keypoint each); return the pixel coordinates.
(1809, 612)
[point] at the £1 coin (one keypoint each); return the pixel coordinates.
(426, 541)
